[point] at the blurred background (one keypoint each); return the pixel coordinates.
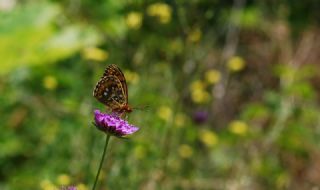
(232, 90)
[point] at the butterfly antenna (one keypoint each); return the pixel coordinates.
(142, 108)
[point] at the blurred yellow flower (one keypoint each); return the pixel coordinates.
(95, 54)
(47, 185)
(180, 120)
(50, 82)
(185, 151)
(165, 113)
(236, 63)
(200, 96)
(198, 92)
(213, 76)
(238, 127)
(134, 20)
(51, 187)
(197, 85)
(131, 77)
(195, 35)
(63, 179)
(139, 152)
(82, 186)
(208, 137)
(160, 10)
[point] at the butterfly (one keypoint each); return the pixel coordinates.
(112, 90)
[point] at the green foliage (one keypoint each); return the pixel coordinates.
(229, 94)
(32, 34)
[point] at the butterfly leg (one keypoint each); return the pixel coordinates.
(123, 115)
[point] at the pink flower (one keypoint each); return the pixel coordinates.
(113, 124)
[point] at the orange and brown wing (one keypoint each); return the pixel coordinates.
(109, 91)
(114, 70)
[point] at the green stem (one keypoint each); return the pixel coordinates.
(101, 162)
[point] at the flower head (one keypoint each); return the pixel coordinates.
(50, 82)
(134, 20)
(198, 92)
(236, 64)
(165, 113)
(213, 76)
(160, 10)
(209, 138)
(64, 179)
(200, 117)
(95, 54)
(238, 127)
(113, 124)
(185, 151)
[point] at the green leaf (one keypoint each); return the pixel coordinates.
(28, 36)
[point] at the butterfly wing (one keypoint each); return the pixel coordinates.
(114, 70)
(109, 91)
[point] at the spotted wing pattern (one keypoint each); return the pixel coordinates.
(111, 89)
(114, 70)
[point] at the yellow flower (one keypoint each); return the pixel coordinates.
(51, 187)
(213, 76)
(208, 138)
(139, 152)
(50, 82)
(185, 151)
(195, 35)
(197, 85)
(134, 78)
(134, 20)
(200, 96)
(238, 127)
(160, 10)
(180, 120)
(165, 113)
(131, 77)
(95, 54)
(236, 63)
(63, 179)
(46, 184)
(82, 186)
